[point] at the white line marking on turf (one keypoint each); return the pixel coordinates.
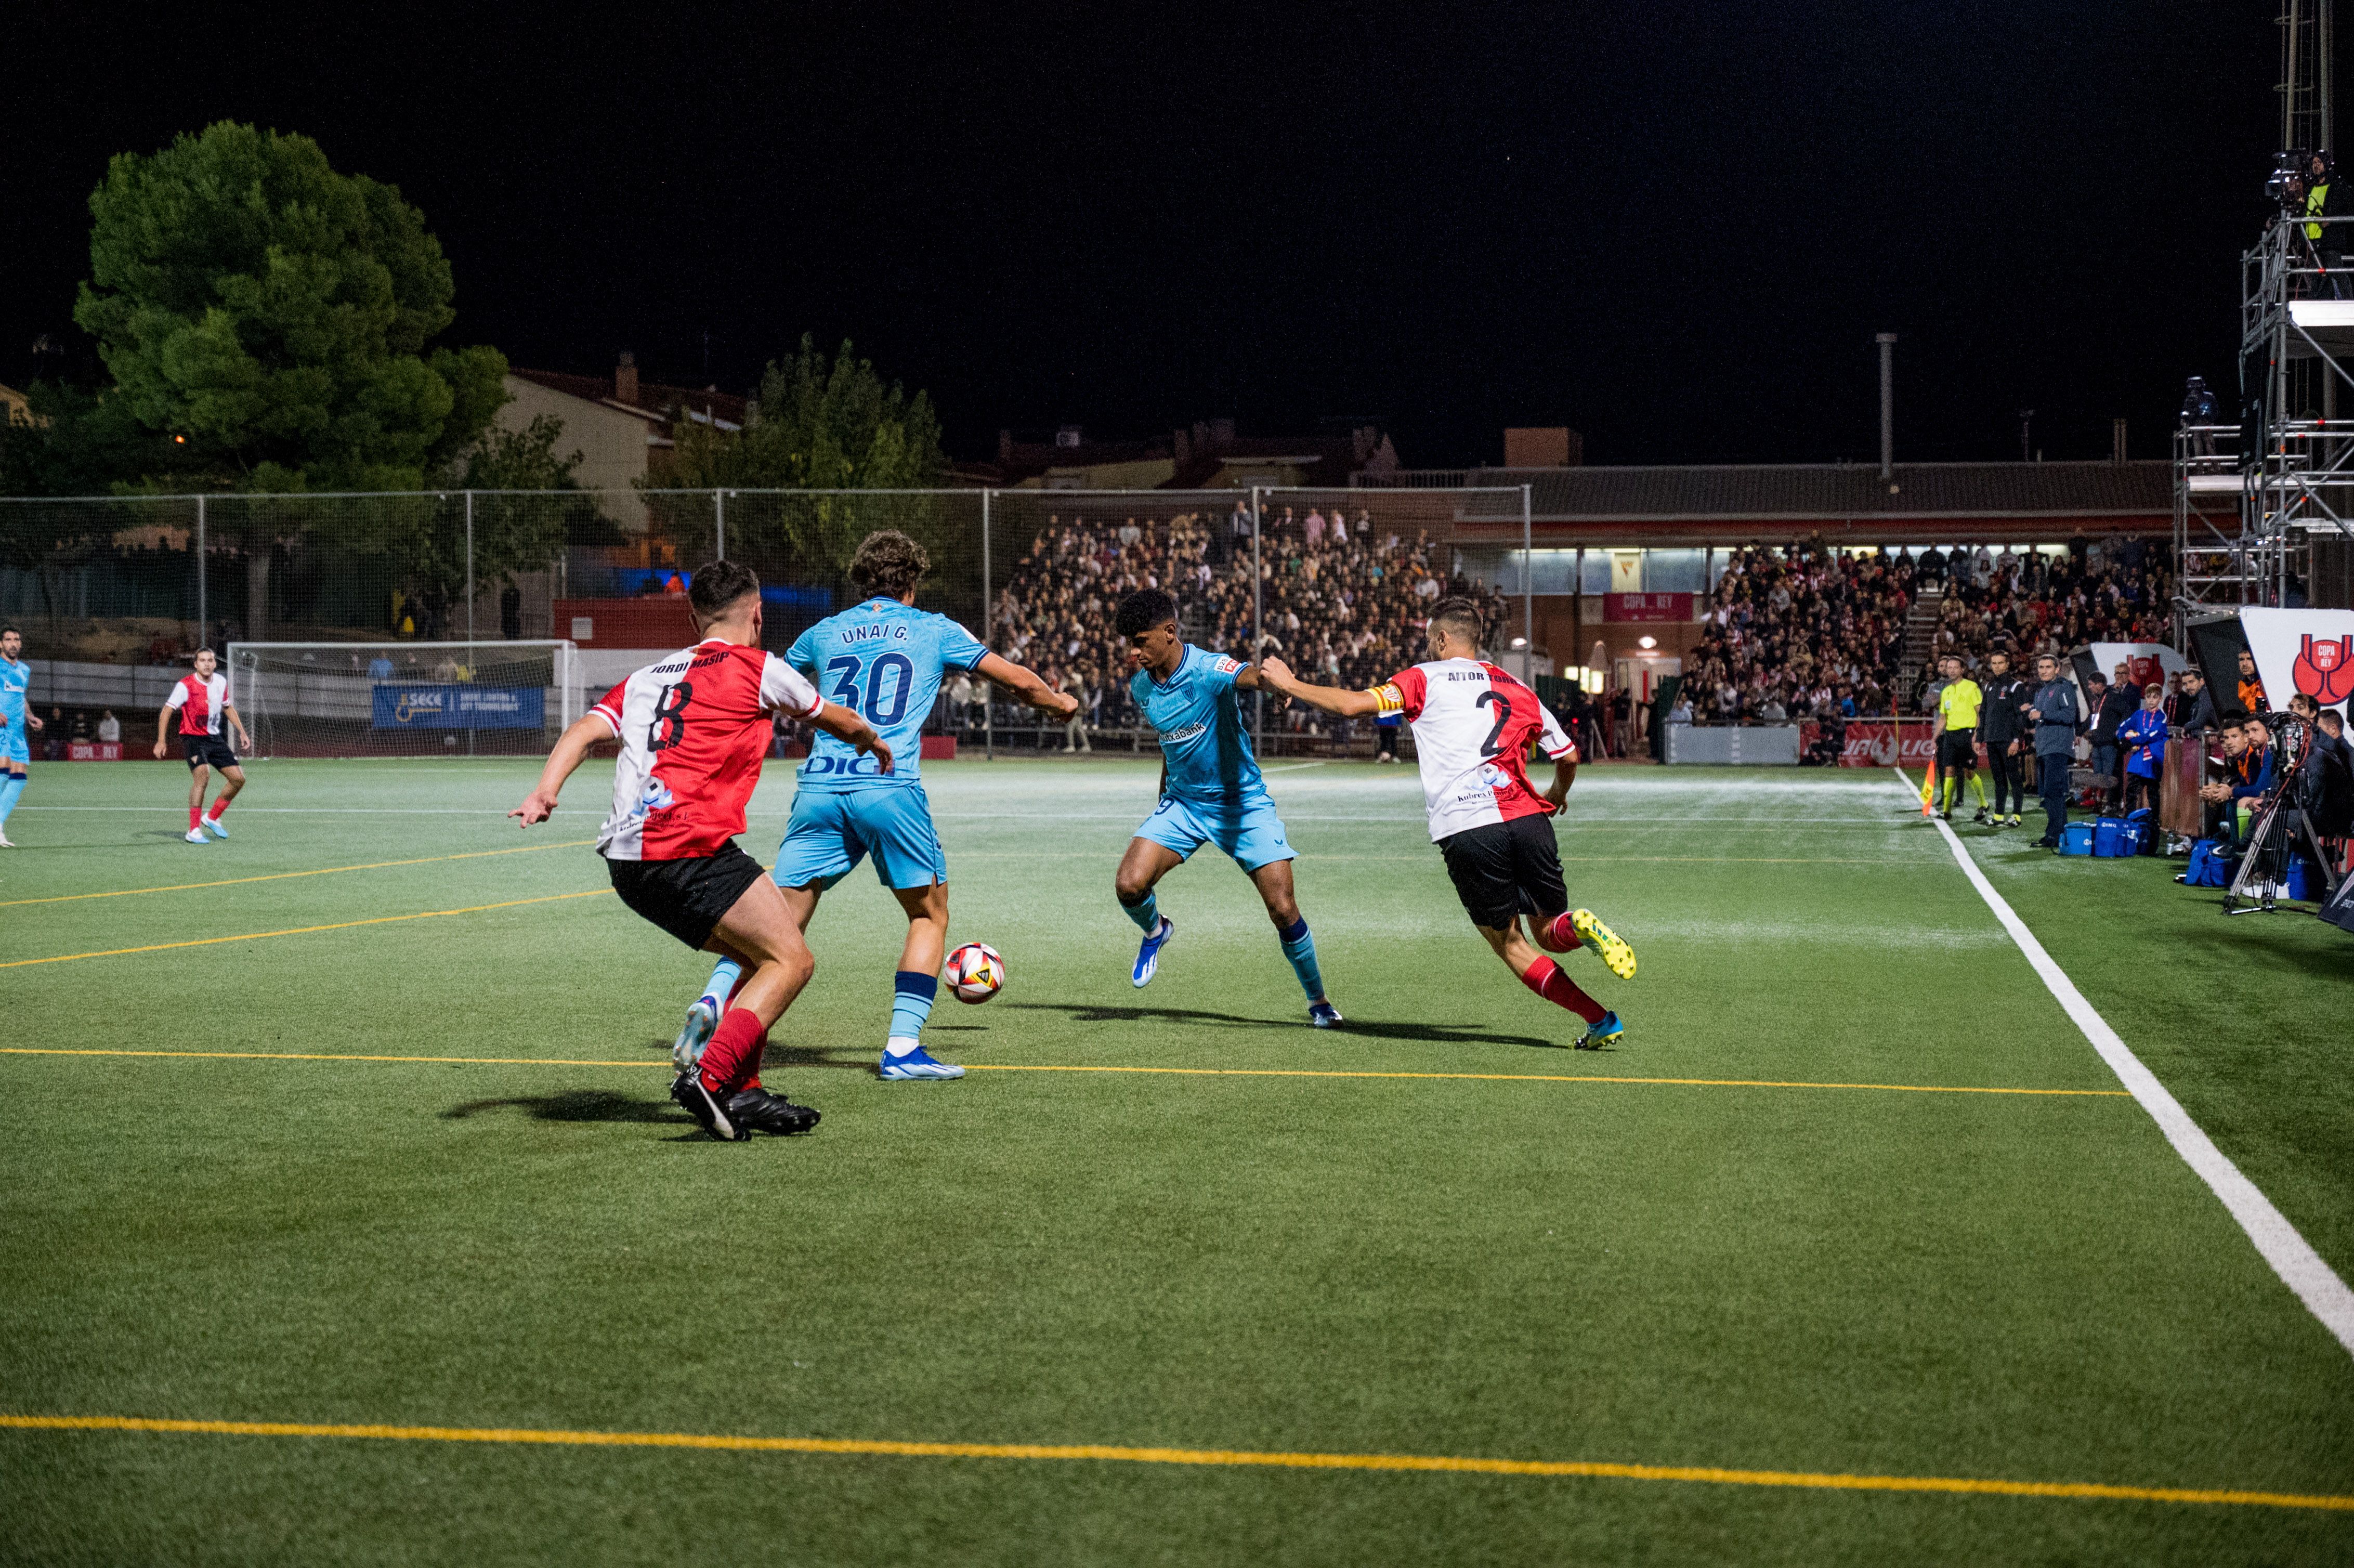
(2291, 1255)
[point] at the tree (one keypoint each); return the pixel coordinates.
(819, 424)
(276, 313)
(267, 320)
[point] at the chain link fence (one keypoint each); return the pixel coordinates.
(114, 593)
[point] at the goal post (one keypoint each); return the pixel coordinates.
(405, 699)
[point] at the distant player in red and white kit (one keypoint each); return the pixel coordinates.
(1473, 725)
(202, 700)
(694, 729)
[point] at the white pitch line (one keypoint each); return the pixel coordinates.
(2292, 1257)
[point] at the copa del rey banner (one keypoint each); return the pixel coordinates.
(2309, 651)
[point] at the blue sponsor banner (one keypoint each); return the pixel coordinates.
(459, 707)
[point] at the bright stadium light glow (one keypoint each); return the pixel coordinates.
(1647, 642)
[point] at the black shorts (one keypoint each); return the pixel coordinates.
(207, 751)
(1502, 870)
(686, 898)
(1958, 748)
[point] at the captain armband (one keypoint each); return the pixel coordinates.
(1388, 700)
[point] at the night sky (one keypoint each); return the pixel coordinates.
(1675, 228)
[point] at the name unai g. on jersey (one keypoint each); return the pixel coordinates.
(883, 661)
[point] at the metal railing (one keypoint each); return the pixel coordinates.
(141, 580)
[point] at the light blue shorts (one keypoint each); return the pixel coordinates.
(833, 829)
(1249, 830)
(16, 752)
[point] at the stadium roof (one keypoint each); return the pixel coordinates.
(1843, 490)
(1999, 500)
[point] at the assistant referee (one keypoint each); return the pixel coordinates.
(1957, 732)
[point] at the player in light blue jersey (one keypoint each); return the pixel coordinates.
(1211, 792)
(883, 661)
(15, 719)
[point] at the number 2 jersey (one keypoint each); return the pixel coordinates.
(694, 729)
(1472, 725)
(883, 661)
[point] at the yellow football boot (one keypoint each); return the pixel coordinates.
(1605, 942)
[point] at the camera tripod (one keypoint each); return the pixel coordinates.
(2275, 839)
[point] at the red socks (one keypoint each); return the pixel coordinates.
(195, 815)
(733, 1058)
(218, 807)
(1558, 935)
(1546, 979)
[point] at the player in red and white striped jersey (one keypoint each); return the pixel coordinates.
(693, 730)
(201, 700)
(1473, 725)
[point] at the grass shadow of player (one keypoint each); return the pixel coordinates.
(1421, 1033)
(578, 1104)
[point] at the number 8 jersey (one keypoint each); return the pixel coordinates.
(694, 729)
(1472, 725)
(882, 660)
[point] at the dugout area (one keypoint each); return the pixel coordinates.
(1854, 1250)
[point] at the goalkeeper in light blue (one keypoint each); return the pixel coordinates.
(882, 660)
(1210, 792)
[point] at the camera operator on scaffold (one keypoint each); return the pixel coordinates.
(2301, 182)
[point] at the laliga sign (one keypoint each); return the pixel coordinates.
(2309, 651)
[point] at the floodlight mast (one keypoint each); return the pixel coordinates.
(1887, 340)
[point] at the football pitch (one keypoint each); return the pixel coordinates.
(346, 1217)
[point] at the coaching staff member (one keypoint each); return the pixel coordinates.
(2056, 713)
(2002, 726)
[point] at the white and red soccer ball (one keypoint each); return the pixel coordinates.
(974, 972)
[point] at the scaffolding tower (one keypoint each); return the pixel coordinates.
(2252, 501)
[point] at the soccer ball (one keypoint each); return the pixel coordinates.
(974, 972)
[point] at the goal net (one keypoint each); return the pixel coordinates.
(404, 699)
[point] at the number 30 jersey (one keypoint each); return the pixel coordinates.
(693, 728)
(1472, 725)
(883, 661)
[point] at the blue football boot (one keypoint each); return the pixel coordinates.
(1147, 953)
(918, 1064)
(1602, 1030)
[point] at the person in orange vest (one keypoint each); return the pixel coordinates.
(2251, 685)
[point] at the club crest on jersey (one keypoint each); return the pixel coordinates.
(655, 797)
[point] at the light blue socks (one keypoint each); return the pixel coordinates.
(724, 976)
(1146, 914)
(911, 1005)
(1299, 947)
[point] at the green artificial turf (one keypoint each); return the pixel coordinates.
(1804, 1279)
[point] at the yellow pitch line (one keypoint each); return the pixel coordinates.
(1028, 1067)
(282, 875)
(1816, 1480)
(303, 930)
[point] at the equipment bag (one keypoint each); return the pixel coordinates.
(2142, 827)
(2110, 838)
(2306, 880)
(2200, 873)
(2076, 838)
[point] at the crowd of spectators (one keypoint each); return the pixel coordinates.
(1342, 602)
(1810, 631)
